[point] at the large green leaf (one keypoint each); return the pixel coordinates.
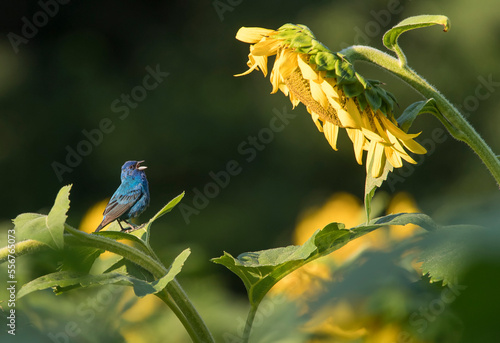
(447, 254)
(167, 208)
(390, 38)
(48, 229)
(261, 270)
(64, 280)
(79, 258)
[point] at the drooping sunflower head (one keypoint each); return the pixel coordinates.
(334, 94)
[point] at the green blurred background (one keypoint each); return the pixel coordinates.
(66, 77)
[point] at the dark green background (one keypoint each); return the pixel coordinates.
(65, 79)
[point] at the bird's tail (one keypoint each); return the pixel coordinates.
(99, 228)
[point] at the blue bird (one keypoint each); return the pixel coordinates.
(130, 199)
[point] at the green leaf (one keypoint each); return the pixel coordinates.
(124, 266)
(79, 258)
(373, 98)
(174, 269)
(385, 96)
(363, 103)
(65, 280)
(447, 254)
(325, 60)
(48, 229)
(344, 71)
(353, 89)
(316, 47)
(168, 207)
(301, 42)
(391, 37)
(261, 270)
(406, 118)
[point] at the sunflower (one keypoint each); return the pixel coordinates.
(335, 95)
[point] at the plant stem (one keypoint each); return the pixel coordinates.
(190, 318)
(451, 116)
(249, 322)
(174, 296)
(21, 248)
(167, 299)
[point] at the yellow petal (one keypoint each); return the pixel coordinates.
(267, 47)
(328, 88)
(396, 145)
(372, 136)
(317, 122)
(318, 94)
(284, 89)
(275, 77)
(358, 141)
(404, 138)
(261, 62)
(335, 102)
(396, 131)
(378, 160)
(354, 112)
(398, 149)
(308, 73)
(293, 99)
(393, 157)
(371, 152)
(331, 133)
(380, 130)
(288, 63)
(247, 72)
(407, 158)
(255, 62)
(346, 119)
(252, 34)
(414, 147)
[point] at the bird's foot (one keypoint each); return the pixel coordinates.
(132, 228)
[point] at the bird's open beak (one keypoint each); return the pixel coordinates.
(139, 167)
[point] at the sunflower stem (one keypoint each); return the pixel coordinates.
(176, 298)
(249, 322)
(451, 117)
(22, 248)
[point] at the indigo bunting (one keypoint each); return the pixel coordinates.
(131, 198)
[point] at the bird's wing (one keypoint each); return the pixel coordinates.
(121, 202)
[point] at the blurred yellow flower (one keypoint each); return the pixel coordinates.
(139, 312)
(309, 73)
(403, 203)
(142, 308)
(341, 208)
(93, 218)
(341, 321)
(305, 284)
